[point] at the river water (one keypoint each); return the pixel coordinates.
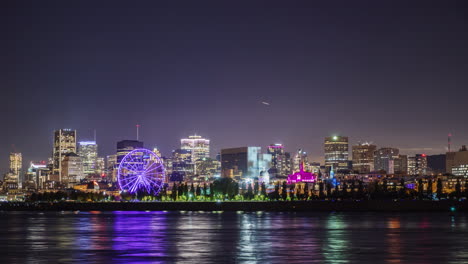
(232, 237)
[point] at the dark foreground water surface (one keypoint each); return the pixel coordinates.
(230, 237)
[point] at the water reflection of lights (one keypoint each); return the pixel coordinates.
(394, 241)
(336, 245)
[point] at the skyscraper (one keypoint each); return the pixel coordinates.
(363, 157)
(336, 153)
(111, 161)
(280, 160)
(401, 164)
(417, 165)
(64, 143)
(182, 162)
(300, 158)
(72, 169)
(198, 146)
(88, 151)
(384, 159)
(16, 165)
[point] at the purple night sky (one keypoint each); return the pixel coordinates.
(390, 72)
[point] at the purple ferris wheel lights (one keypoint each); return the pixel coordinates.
(141, 170)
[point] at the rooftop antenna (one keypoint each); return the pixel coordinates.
(94, 135)
(138, 131)
(449, 141)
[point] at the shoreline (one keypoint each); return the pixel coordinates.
(276, 206)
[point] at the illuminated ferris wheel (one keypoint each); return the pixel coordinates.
(141, 171)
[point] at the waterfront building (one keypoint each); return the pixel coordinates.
(88, 151)
(72, 170)
(457, 162)
(363, 158)
(244, 163)
(384, 159)
(301, 176)
(336, 153)
(64, 143)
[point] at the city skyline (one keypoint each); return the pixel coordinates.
(241, 74)
(312, 158)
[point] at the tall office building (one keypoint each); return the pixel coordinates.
(457, 162)
(64, 143)
(72, 169)
(157, 152)
(88, 151)
(126, 146)
(245, 162)
(363, 157)
(384, 159)
(111, 171)
(16, 164)
(336, 153)
(198, 146)
(280, 160)
(182, 162)
(400, 164)
(417, 165)
(39, 173)
(300, 157)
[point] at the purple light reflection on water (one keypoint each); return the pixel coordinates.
(230, 237)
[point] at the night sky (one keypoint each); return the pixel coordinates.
(391, 72)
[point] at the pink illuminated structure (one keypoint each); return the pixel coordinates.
(301, 176)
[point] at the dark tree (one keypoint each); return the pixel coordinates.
(420, 189)
(174, 192)
(458, 189)
(249, 192)
(440, 191)
(276, 193)
(360, 193)
(284, 191)
(321, 193)
(345, 190)
(291, 191)
(211, 191)
(429, 189)
(256, 188)
(264, 193)
(306, 191)
(222, 186)
(198, 191)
